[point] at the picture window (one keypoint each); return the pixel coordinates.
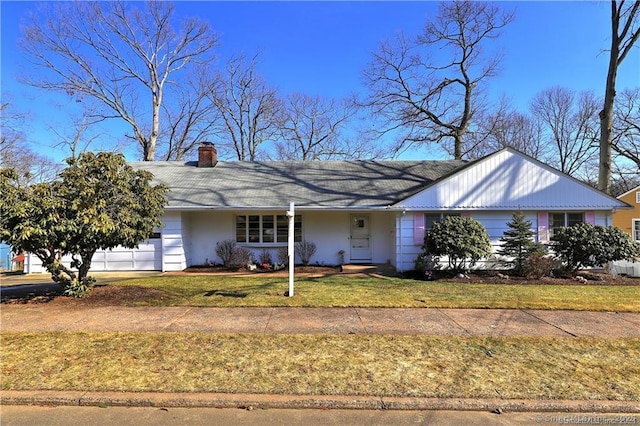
(266, 229)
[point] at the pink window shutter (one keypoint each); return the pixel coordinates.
(590, 217)
(418, 228)
(543, 227)
(465, 214)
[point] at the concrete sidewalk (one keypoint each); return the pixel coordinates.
(399, 321)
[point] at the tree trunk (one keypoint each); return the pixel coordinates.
(606, 115)
(457, 148)
(84, 267)
(606, 126)
(625, 32)
(150, 151)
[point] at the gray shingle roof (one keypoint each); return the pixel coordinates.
(310, 184)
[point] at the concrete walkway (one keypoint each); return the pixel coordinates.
(406, 321)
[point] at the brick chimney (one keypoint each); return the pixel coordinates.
(207, 155)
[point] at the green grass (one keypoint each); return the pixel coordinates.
(416, 366)
(345, 290)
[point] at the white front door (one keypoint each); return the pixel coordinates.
(360, 238)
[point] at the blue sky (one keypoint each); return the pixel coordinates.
(321, 48)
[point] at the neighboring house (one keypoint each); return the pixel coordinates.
(629, 219)
(374, 211)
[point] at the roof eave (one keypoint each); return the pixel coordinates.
(259, 208)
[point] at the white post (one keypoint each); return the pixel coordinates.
(291, 249)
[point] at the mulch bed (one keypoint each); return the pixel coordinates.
(591, 278)
(100, 295)
(312, 269)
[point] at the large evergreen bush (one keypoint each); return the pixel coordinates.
(585, 245)
(462, 240)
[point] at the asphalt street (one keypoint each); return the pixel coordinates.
(152, 416)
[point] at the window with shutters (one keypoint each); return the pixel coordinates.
(431, 218)
(559, 220)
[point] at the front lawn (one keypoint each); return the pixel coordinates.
(414, 366)
(362, 291)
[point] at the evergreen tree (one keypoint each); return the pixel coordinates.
(517, 242)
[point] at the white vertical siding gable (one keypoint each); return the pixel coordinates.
(509, 180)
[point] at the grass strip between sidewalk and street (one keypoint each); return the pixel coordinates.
(411, 366)
(349, 291)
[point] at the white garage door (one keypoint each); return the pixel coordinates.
(147, 257)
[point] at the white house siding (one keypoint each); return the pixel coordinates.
(603, 218)
(166, 253)
(409, 246)
(509, 181)
(173, 248)
(495, 222)
(383, 237)
(331, 232)
(490, 190)
(203, 230)
(406, 248)
(328, 230)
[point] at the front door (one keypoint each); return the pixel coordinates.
(360, 238)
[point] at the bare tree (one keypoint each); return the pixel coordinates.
(311, 128)
(626, 126)
(520, 131)
(190, 119)
(625, 32)
(571, 126)
(15, 153)
(249, 109)
(80, 136)
(427, 99)
(506, 127)
(624, 177)
(118, 54)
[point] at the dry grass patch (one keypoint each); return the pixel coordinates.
(419, 366)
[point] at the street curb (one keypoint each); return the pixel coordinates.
(260, 401)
